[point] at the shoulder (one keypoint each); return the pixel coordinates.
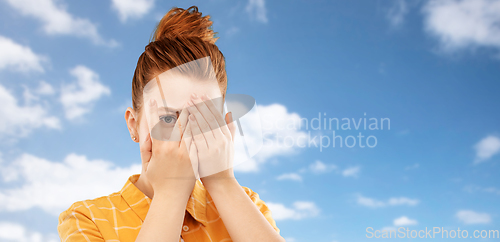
(78, 221)
(84, 206)
(85, 210)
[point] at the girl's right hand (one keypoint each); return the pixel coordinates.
(171, 166)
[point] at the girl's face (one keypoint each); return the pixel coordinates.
(176, 92)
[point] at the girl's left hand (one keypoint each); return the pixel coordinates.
(213, 138)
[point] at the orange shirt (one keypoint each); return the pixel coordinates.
(119, 216)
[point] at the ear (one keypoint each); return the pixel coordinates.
(130, 118)
(230, 124)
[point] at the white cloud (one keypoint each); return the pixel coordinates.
(492, 190)
(402, 201)
(257, 10)
(414, 166)
(299, 210)
(404, 221)
(393, 201)
(19, 120)
(132, 8)
(14, 232)
(45, 88)
(397, 12)
(277, 125)
(290, 176)
(351, 171)
(398, 222)
(54, 186)
(279, 129)
(282, 135)
(232, 31)
(250, 165)
(459, 24)
(317, 167)
(472, 188)
(78, 98)
(16, 57)
(320, 167)
(57, 21)
(370, 202)
(486, 148)
(471, 217)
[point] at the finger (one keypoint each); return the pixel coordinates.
(180, 125)
(193, 156)
(231, 124)
(187, 135)
(153, 118)
(198, 138)
(209, 122)
(191, 149)
(206, 113)
(202, 123)
(145, 149)
(216, 113)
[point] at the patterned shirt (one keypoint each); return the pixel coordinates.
(119, 216)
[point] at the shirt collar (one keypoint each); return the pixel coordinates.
(139, 202)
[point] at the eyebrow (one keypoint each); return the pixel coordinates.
(170, 109)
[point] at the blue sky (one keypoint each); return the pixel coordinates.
(430, 67)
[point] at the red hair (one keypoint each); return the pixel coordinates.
(181, 36)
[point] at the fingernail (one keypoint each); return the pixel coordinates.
(231, 116)
(204, 97)
(152, 102)
(194, 95)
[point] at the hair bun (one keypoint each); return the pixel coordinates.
(179, 22)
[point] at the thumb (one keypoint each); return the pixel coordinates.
(230, 124)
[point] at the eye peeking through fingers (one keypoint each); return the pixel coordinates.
(169, 119)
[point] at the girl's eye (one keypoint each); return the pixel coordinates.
(169, 119)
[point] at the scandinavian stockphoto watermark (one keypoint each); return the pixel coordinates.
(323, 131)
(290, 130)
(430, 233)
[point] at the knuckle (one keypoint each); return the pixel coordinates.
(156, 151)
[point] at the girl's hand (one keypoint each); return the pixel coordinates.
(213, 138)
(169, 166)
